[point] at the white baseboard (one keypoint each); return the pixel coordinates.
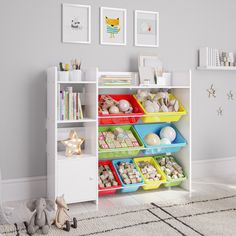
(34, 187)
(24, 188)
(222, 167)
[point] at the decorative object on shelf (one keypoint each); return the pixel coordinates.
(152, 72)
(171, 168)
(108, 105)
(220, 111)
(112, 26)
(146, 28)
(76, 23)
(211, 92)
(62, 220)
(152, 139)
(168, 133)
(40, 220)
(73, 144)
(69, 105)
(230, 95)
(211, 57)
(63, 73)
(75, 74)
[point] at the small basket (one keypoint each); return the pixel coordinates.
(130, 187)
(175, 146)
(112, 189)
(120, 152)
(171, 183)
(123, 118)
(151, 184)
(162, 116)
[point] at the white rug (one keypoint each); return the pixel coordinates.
(212, 216)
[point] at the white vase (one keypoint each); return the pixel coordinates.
(63, 75)
(75, 75)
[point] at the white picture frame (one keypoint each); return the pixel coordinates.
(76, 23)
(146, 29)
(113, 34)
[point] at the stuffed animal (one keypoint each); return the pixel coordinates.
(41, 217)
(62, 218)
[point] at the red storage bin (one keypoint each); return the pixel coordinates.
(123, 118)
(113, 189)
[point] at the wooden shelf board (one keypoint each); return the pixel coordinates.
(217, 68)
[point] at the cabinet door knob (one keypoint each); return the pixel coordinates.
(90, 178)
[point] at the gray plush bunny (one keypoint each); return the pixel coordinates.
(41, 217)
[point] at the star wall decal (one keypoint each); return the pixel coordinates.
(211, 92)
(230, 95)
(220, 111)
(73, 144)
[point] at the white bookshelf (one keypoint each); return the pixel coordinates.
(77, 177)
(216, 68)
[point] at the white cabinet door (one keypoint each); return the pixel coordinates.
(77, 179)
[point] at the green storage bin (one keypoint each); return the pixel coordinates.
(120, 152)
(171, 183)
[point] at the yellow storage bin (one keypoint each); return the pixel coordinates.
(162, 116)
(151, 184)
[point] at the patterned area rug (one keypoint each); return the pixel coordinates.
(200, 217)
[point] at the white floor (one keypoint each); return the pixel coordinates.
(207, 187)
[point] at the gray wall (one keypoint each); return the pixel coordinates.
(31, 42)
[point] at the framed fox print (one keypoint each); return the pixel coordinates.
(112, 26)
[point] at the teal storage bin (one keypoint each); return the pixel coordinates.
(175, 146)
(129, 187)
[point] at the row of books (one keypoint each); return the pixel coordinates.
(116, 80)
(215, 57)
(69, 105)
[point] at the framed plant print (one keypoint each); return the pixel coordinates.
(76, 23)
(112, 26)
(146, 31)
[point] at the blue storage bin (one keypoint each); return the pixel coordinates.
(175, 146)
(130, 187)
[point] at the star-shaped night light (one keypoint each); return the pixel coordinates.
(73, 144)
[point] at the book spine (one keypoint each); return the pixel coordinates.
(70, 110)
(63, 106)
(58, 102)
(66, 105)
(74, 106)
(77, 110)
(80, 107)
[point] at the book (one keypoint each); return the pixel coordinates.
(204, 57)
(80, 108)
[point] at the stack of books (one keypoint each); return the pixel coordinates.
(116, 80)
(211, 57)
(69, 105)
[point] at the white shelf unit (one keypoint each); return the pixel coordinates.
(77, 177)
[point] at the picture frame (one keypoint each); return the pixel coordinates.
(113, 26)
(146, 29)
(76, 23)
